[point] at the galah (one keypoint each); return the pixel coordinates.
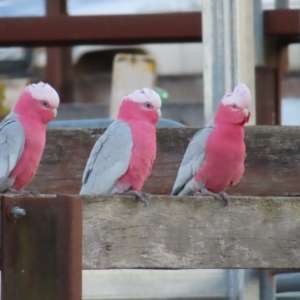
(214, 159)
(122, 158)
(23, 136)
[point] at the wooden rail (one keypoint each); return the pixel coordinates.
(112, 29)
(119, 232)
(63, 30)
(283, 24)
(173, 232)
(272, 162)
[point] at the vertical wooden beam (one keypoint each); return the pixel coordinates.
(268, 102)
(229, 49)
(276, 57)
(59, 70)
(282, 60)
(56, 7)
(269, 77)
(41, 248)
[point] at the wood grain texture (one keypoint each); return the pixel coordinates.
(272, 162)
(191, 232)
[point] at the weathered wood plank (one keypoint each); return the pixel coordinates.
(272, 163)
(191, 232)
(119, 232)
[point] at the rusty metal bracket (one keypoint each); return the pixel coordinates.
(41, 250)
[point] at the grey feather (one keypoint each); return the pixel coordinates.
(109, 160)
(12, 141)
(192, 159)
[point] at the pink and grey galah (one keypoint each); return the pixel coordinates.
(214, 159)
(122, 158)
(23, 136)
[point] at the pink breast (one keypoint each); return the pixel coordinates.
(224, 163)
(34, 146)
(143, 155)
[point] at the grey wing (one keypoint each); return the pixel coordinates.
(109, 159)
(192, 159)
(12, 141)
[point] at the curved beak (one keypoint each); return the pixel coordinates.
(159, 112)
(246, 112)
(55, 112)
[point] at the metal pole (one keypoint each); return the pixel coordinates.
(229, 50)
(267, 286)
(288, 283)
(234, 283)
(258, 33)
(281, 4)
(251, 285)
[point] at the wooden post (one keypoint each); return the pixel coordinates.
(269, 79)
(266, 77)
(59, 69)
(41, 240)
(228, 40)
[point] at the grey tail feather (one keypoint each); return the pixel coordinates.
(177, 190)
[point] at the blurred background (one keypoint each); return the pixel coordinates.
(85, 85)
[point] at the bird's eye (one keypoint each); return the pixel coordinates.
(45, 103)
(148, 105)
(234, 106)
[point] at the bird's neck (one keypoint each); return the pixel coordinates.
(232, 131)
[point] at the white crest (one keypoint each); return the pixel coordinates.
(240, 96)
(145, 95)
(43, 91)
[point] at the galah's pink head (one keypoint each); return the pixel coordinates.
(142, 105)
(235, 107)
(38, 101)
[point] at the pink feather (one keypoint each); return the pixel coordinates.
(142, 124)
(34, 116)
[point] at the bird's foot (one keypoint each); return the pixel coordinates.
(221, 196)
(21, 192)
(197, 194)
(140, 196)
(145, 194)
(225, 198)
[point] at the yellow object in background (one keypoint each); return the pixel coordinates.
(10, 91)
(130, 72)
(4, 110)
